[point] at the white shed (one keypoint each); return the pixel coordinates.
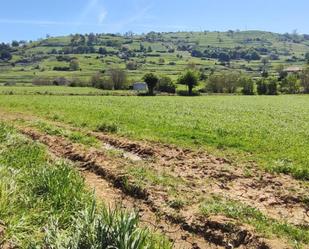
(140, 86)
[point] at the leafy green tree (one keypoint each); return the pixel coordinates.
(166, 84)
(272, 86)
(265, 66)
(224, 57)
(190, 79)
(307, 57)
(305, 79)
(15, 44)
(280, 70)
(290, 84)
(262, 86)
(74, 65)
(102, 51)
(118, 78)
(223, 83)
(151, 81)
(248, 86)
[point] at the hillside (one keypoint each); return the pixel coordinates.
(164, 53)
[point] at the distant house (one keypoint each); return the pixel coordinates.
(293, 69)
(140, 86)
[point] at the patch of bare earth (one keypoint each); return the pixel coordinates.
(278, 196)
(3, 243)
(200, 175)
(153, 201)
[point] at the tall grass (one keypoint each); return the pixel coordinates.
(45, 204)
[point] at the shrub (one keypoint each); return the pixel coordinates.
(166, 84)
(227, 82)
(186, 93)
(131, 65)
(41, 81)
(98, 81)
(112, 128)
(61, 81)
(76, 82)
(74, 65)
(10, 83)
(57, 68)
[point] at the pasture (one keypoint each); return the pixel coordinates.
(270, 130)
(183, 163)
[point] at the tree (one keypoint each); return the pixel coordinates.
(305, 79)
(74, 65)
(224, 57)
(280, 70)
(166, 84)
(91, 39)
(15, 44)
(290, 84)
(118, 78)
(265, 66)
(102, 51)
(262, 86)
(248, 86)
(98, 81)
(307, 57)
(223, 83)
(5, 52)
(272, 86)
(5, 55)
(190, 79)
(151, 81)
(267, 86)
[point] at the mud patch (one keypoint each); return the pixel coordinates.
(152, 199)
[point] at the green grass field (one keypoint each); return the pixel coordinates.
(44, 203)
(59, 90)
(272, 131)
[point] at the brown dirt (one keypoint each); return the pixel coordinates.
(114, 197)
(220, 232)
(4, 244)
(278, 196)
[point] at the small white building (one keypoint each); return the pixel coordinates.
(140, 86)
(293, 69)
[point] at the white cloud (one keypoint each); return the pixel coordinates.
(102, 16)
(141, 14)
(93, 8)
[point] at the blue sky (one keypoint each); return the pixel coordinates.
(33, 19)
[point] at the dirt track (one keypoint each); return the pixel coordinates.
(152, 201)
(199, 174)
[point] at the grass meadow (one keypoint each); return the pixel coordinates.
(272, 131)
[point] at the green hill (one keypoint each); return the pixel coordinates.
(164, 53)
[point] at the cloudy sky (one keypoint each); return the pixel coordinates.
(33, 19)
